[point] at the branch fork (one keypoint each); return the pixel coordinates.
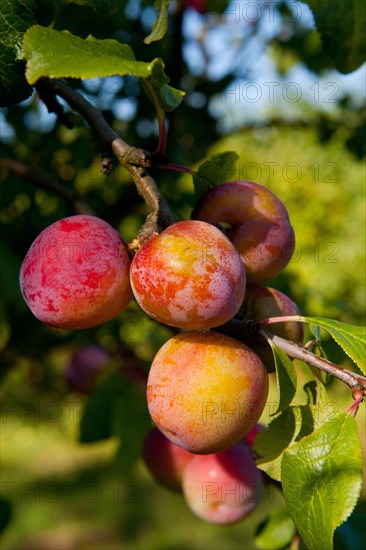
(134, 159)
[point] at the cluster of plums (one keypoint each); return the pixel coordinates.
(221, 488)
(206, 391)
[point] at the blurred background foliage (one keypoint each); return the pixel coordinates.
(258, 85)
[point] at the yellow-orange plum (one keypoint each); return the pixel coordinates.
(260, 228)
(189, 276)
(76, 273)
(206, 391)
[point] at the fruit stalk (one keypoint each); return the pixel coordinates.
(132, 158)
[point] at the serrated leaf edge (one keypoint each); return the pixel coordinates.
(290, 450)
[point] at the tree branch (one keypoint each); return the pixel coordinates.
(296, 351)
(91, 114)
(134, 159)
(243, 329)
(160, 214)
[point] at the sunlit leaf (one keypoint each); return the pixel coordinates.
(276, 532)
(214, 171)
(286, 377)
(51, 53)
(321, 479)
(161, 23)
(351, 338)
(15, 18)
(271, 443)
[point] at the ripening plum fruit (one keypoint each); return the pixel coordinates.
(261, 302)
(84, 366)
(206, 391)
(165, 460)
(189, 276)
(259, 226)
(76, 273)
(224, 487)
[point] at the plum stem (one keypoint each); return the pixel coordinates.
(135, 160)
(177, 168)
(283, 319)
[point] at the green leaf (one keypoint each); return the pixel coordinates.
(325, 377)
(342, 28)
(322, 409)
(131, 424)
(117, 408)
(351, 338)
(97, 420)
(276, 532)
(101, 6)
(286, 377)
(169, 97)
(15, 18)
(219, 6)
(321, 480)
(214, 171)
(294, 423)
(311, 391)
(13, 86)
(316, 331)
(161, 23)
(51, 53)
(271, 443)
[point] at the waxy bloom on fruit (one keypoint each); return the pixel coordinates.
(76, 273)
(206, 391)
(223, 487)
(259, 224)
(189, 276)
